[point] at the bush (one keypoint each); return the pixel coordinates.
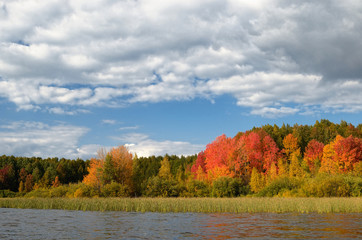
(228, 187)
(84, 190)
(40, 192)
(161, 187)
(196, 188)
(7, 194)
(355, 184)
(60, 191)
(324, 185)
(115, 190)
(280, 186)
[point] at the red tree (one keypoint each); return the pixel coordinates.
(255, 149)
(200, 162)
(348, 152)
(313, 155)
(218, 157)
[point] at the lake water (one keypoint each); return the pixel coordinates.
(60, 224)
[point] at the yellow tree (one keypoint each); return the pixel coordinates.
(165, 169)
(295, 170)
(95, 173)
(283, 167)
(122, 161)
(290, 144)
(292, 152)
(272, 173)
(257, 180)
(329, 163)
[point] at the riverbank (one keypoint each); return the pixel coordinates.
(201, 205)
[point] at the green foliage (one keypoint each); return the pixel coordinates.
(196, 188)
(228, 187)
(161, 187)
(60, 191)
(165, 169)
(171, 176)
(280, 186)
(7, 194)
(39, 193)
(325, 185)
(84, 190)
(115, 190)
(108, 170)
(143, 170)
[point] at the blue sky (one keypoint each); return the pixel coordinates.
(171, 76)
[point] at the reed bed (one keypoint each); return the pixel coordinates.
(200, 205)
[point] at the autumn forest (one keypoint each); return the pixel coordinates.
(322, 160)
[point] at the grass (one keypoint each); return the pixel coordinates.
(201, 205)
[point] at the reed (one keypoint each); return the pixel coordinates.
(201, 205)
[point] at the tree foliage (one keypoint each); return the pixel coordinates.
(299, 160)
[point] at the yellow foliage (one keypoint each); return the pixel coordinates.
(165, 169)
(329, 163)
(257, 181)
(95, 172)
(217, 172)
(295, 170)
(283, 168)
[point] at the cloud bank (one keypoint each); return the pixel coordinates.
(274, 57)
(37, 139)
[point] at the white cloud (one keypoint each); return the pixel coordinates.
(129, 128)
(269, 55)
(142, 145)
(39, 139)
(274, 112)
(62, 111)
(109, 121)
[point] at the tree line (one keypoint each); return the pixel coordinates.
(301, 160)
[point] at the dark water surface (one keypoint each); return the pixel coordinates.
(60, 224)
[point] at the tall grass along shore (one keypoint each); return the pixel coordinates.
(201, 205)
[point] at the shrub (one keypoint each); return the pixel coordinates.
(161, 187)
(324, 185)
(7, 194)
(196, 188)
(280, 186)
(115, 190)
(40, 192)
(84, 190)
(60, 191)
(228, 187)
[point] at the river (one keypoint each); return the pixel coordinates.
(62, 224)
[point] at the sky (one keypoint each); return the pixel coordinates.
(170, 76)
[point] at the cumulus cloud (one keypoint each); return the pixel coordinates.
(29, 139)
(272, 56)
(143, 145)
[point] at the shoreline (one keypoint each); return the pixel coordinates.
(196, 205)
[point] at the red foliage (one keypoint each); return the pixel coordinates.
(313, 154)
(200, 161)
(271, 153)
(218, 156)
(218, 152)
(348, 152)
(255, 149)
(4, 174)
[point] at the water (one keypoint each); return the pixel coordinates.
(60, 224)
